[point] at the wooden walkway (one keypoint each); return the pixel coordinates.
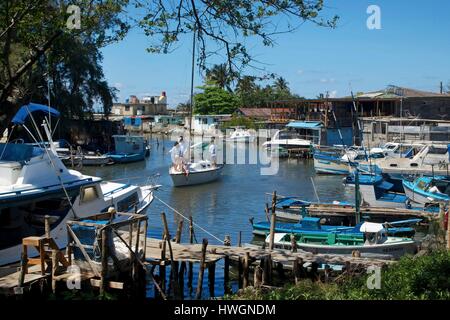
(193, 253)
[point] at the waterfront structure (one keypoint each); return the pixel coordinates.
(149, 105)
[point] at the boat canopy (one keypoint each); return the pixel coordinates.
(24, 111)
(371, 227)
(304, 125)
(16, 152)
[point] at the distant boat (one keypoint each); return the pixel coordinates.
(374, 242)
(128, 149)
(287, 140)
(428, 190)
(241, 135)
(96, 160)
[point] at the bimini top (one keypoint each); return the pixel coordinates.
(24, 111)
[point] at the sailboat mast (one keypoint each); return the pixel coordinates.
(191, 107)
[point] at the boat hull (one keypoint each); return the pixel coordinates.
(126, 158)
(96, 161)
(195, 178)
(330, 167)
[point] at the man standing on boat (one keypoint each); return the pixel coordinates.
(175, 156)
(212, 153)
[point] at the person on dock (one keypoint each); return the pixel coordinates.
(212, 153)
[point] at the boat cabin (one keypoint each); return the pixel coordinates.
(125, 144)
(374, 233)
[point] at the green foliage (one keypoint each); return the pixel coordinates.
(214, 100)
(411, 278)
(238, 121)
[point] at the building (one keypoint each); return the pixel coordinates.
(149, 105)
(374, 115)
(207, 124)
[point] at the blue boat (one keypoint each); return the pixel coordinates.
(424, 191)
(376, 191)
(128, 149)
(311, 225)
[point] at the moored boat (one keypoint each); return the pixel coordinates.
(426, 191)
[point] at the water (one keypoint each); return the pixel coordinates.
(223, 207)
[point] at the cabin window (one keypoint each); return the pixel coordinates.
(89, 194)
(128, 203)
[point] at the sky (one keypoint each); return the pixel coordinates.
(412, 49)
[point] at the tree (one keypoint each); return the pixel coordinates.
(222, 26)
(214, 100)
(221, 75)
(28, 29)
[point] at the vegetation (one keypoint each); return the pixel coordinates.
(238, 121)
(214, 100)
(412, 278)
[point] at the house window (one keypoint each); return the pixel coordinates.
(89, 194)
(127, 108)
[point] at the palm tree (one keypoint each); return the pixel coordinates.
(246, 84)
(221, 75)
(281, 85)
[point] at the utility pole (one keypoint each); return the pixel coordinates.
(442, 88)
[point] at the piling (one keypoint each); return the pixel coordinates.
(181, 278)
(239, 239)
(190, 266)
(293, 243)
(226, 275)
(273, 221)
(54, 269)
(245, 271)
(211, 278)
(173, 265)
(267, 269)
(240, 268)
(47, 226)
(257, 277)
(104, 262)
(179, 231)
(201, 272)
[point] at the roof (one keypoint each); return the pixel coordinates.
(304, 125)
(392, 92)
(263, 112)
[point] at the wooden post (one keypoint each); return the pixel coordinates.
(211, 278)
(181, 279)
(239, 238)
(448, 231)
(298, 269)
(245, 271)
(179, 231)
(54, 269)
(47, 226)
(293, 243)
(442, 214)
(173, 266)
(23, 266)
(267, 212)
(104, 270)
(201, 272)
(226, 275)
(190, 266)
(272, 231)
(280, 270)
(227, 241)
(162, 267)
(69, 246)
(257, 278)
(240, 272)
(267, 270)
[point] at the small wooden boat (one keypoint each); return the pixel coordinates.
(197, 173)
(373, 243)
(311, 225)
(428, 190)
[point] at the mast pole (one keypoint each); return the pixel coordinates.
(192, 91)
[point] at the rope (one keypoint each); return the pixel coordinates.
(186, 218)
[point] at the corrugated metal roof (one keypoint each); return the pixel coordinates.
(304, 125)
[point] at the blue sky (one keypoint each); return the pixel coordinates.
(412, 49)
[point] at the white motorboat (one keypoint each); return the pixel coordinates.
(288, 140)
(241, 135)
(34, 183)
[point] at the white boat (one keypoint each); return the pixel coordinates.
(34, 183)
(430, 160)
(398, 149)
(426, 191)
(241, 135)
(288, 140)
(197, 173)
(375, 243)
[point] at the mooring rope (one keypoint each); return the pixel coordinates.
(180, 214)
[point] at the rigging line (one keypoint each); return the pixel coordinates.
(53, 165)
(195, 224)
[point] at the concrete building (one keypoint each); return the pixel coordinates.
(149, 105)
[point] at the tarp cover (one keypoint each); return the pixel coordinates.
(24, 111)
